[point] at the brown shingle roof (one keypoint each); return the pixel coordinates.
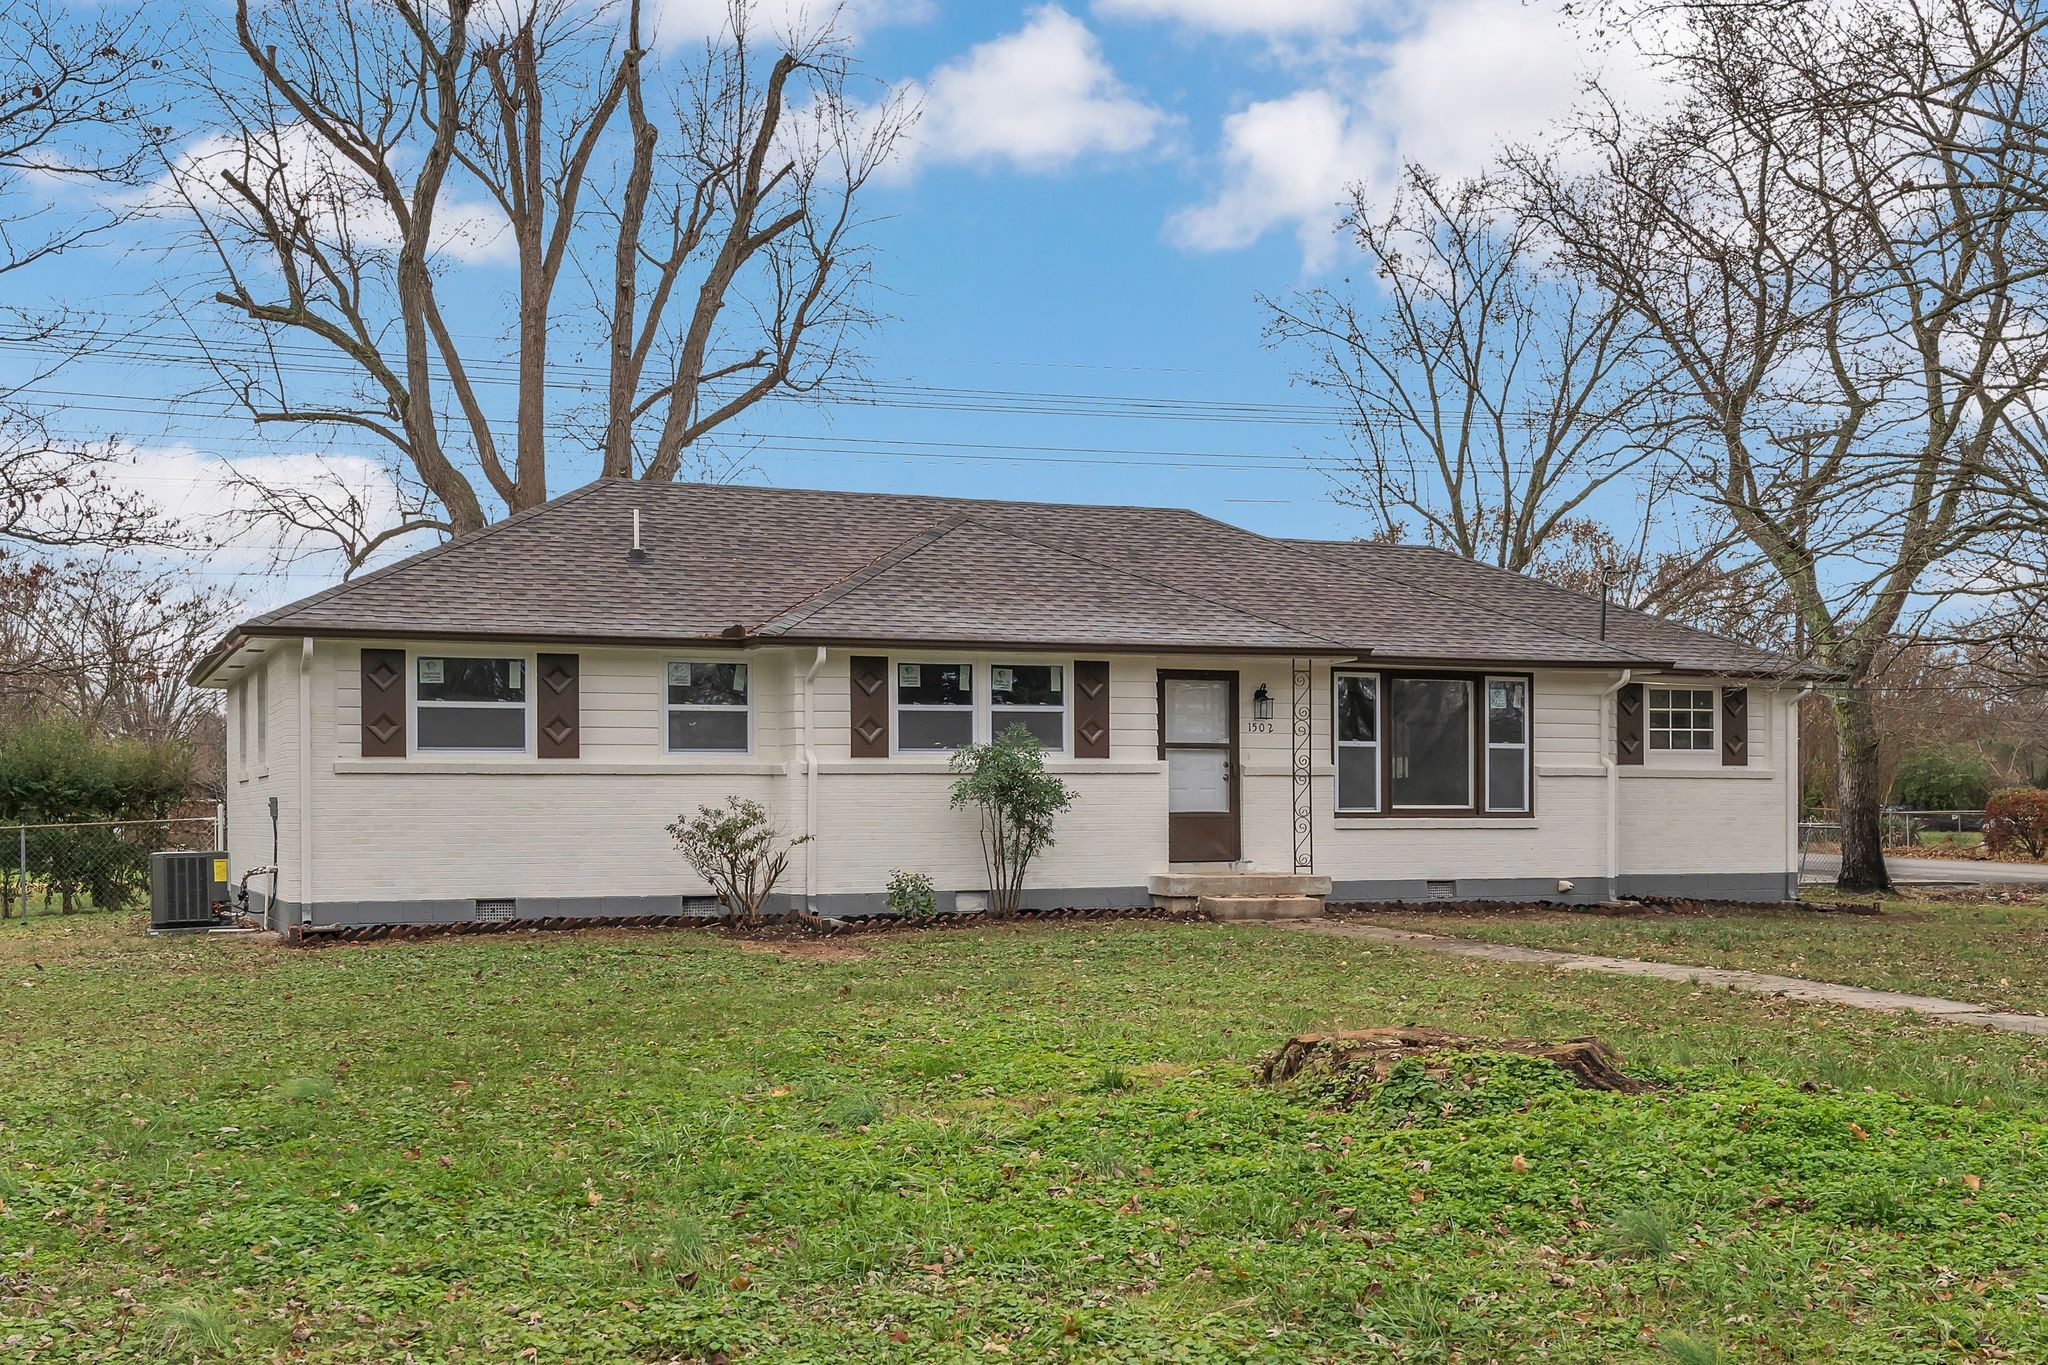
(741, 562)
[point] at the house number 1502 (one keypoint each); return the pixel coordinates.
(1260, 727)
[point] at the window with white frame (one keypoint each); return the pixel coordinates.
(469, 703)
(263, 713)
(934, 707)
(1357, 733)
(242, 722)
(1507, 744)
(707, 708)
(1682, 719)
(1033, 696)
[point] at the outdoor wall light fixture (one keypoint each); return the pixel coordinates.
(1262, 704)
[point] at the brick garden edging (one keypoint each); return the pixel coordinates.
(804, 923)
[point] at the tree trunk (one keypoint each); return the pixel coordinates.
(1859, 793)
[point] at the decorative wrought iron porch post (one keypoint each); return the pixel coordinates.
(1304, 771)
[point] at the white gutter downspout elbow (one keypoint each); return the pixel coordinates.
(1609, 732)
(306, 779)
(810, 829)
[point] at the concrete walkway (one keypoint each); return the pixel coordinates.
(1763, 983)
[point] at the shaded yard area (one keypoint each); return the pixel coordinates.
(1034, 1143)
(1992, 953)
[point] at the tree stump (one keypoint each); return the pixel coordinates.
(1374, 1052)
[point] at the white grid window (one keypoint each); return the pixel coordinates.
(1357, 735)
(707, 708)
(934, 707)
(470, 703)
(1682, 719)
(1033, 696)
(1507, 744)
(263, 712)
(242, 723)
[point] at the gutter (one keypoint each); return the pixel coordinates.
(1608, 728)
(306, 777)
(811, 782)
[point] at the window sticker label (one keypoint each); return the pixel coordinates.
(1002, 678)
(908, 675)
(679, 674)
(430, 670)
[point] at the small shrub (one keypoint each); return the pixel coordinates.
(197, 1325)
(1686, 1349)
(739, 850)
(911, 895)
(1110, 1079)
(2016, 821)
(1018, 800)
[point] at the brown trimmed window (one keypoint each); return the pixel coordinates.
(1425, 744)
(473, 704)
(707, 711)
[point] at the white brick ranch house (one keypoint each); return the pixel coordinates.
(504, 725)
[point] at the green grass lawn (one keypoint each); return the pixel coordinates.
(1991, 953)
(1038, 1143)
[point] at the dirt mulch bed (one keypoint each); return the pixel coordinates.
(1974, 853)
(1648, 907)
(786, 929)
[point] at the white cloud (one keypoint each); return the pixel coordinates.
(1266, 17)
(292, 162)
(1285, 162)
(1038, 98)
(1470, 77)
(672, 22)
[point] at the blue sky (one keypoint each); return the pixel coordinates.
(1098, 193)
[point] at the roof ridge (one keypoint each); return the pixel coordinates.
(276, 615)
(1175, 588)
(861, 574)
(1560, 590)
(1481, 607)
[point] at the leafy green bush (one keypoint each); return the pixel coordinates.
(1018, 800)
(1942, 777)
(2016, 821)
(911, 895)
(52, 769)
(739, 850)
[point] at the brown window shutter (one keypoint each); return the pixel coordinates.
(383, 703)
(870, 681)
(1091, 708)
(558, 724)
(1628, 725)
(1734, 727)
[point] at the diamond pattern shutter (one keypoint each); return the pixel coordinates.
(1091, 708)
(1734, 727)
(558, 724)
(383, 703)
(1628, 725)
(869, 675)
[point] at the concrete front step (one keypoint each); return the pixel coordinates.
(1239, 884)
(1223, 908)
(1257, 890)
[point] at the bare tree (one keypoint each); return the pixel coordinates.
(1844, 281)
(363, 148)
(1491, 398)
(77, 121)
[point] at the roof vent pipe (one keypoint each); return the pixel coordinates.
(636, 555)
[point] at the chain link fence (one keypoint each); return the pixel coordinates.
(72, 868)
(1820, 851)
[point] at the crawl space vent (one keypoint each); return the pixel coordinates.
(1441, 891)
(496, 912)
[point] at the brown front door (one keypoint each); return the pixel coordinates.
(1198, 740)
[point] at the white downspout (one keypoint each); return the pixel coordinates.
(810, 829)
(306, 779)
(1609, 733)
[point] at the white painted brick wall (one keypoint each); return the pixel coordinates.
(438, 828)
